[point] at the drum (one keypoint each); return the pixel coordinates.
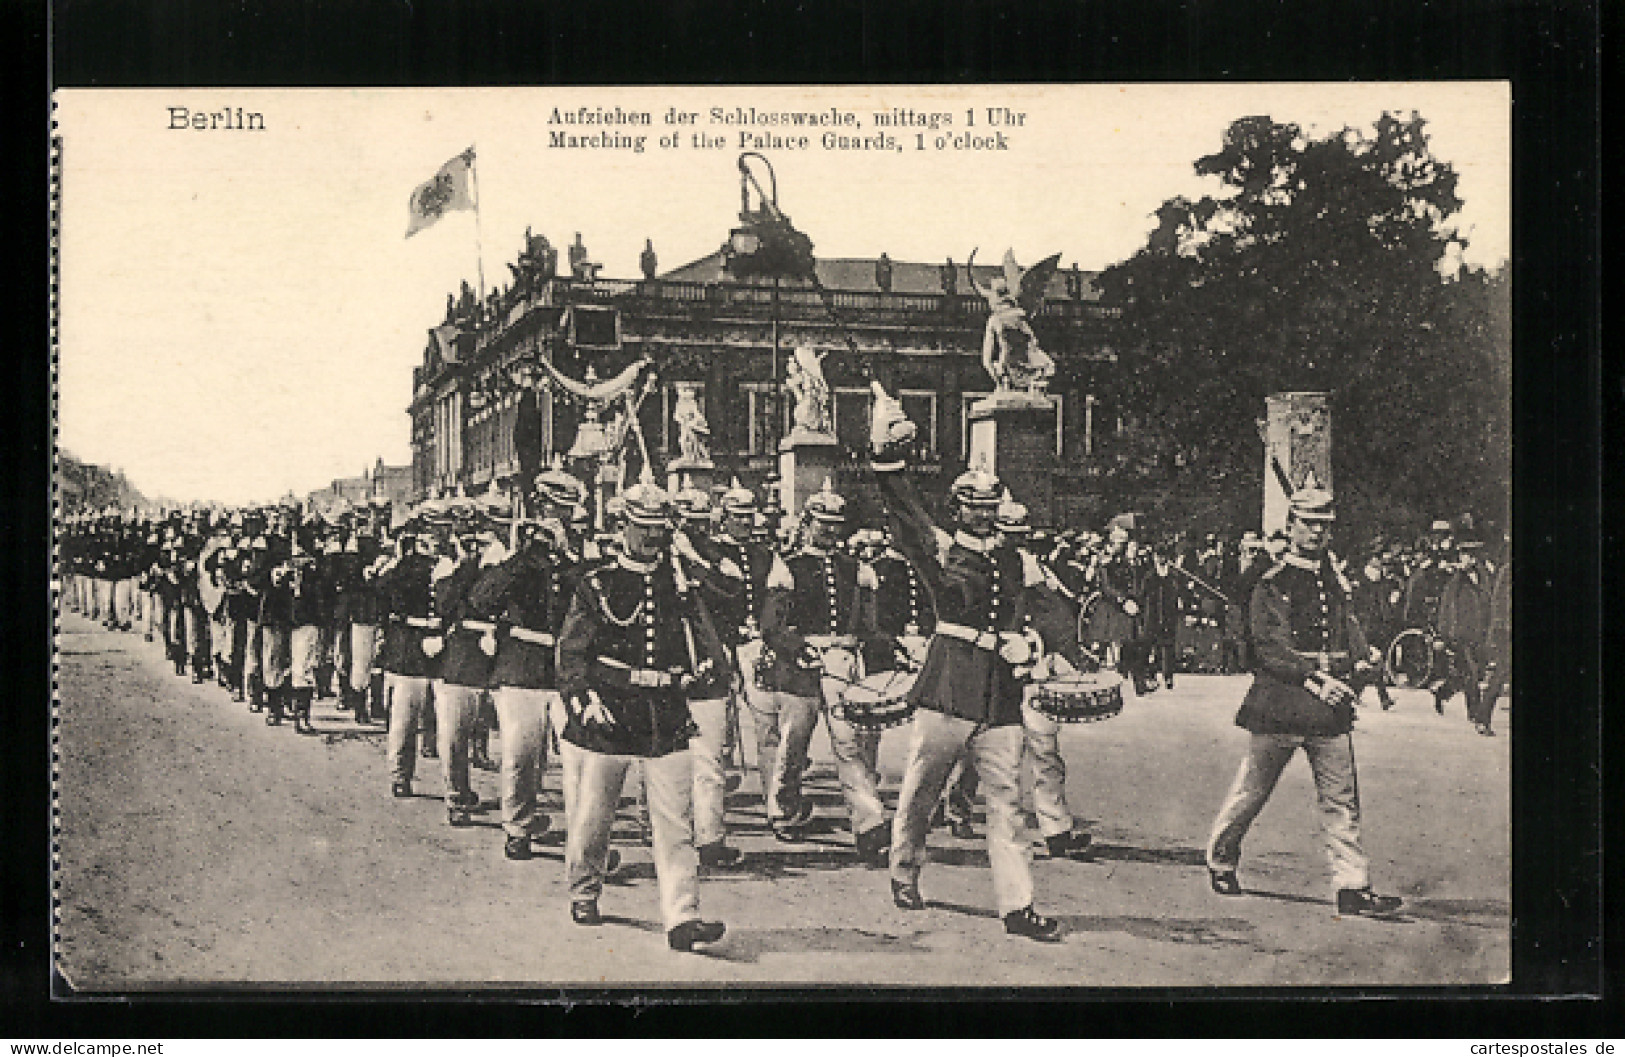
(878, 701)
(1084, 698)
(1410, 658)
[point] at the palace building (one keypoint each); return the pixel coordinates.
(727, 341)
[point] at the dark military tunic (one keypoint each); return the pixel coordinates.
(463, 662)
(530, 592)
(1302, 622)
(812, 592)
(743, 619)
(406, 597)
(901, 608)
(628, 635)
(978, 590)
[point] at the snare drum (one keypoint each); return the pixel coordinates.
(1085, 698)
(878, 701)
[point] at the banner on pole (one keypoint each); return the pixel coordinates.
(448, 190)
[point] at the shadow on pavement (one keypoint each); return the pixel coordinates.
(774, 864)
(1476, 913)
(1207, 932)
(1285, 897)
(1156, 856)
(960, 908)
(748, 945)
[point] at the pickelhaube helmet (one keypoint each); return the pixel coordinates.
(826, 504)
(1012, 517)
(738, 500)
(648, 504)
(977, 488)
(692, 504)
(559, 486)
(1312, 503)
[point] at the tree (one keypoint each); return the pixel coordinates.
(1322, 265)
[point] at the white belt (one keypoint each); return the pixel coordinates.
(985, 640)
(476, 625)
(647, 677)
(832, 642)
(431, 623)
(539, 638)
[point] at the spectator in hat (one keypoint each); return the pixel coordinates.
(1162, 603)
(1463, 626)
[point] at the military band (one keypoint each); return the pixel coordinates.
(637, 650)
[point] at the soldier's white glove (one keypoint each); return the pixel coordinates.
(1332, 691)
(488, 644)
(433, 645)
(729, 567)
(590, 709)
(698, 675)
(890, 426)
(1015, 648)
(1055, 667)
(1131, 607)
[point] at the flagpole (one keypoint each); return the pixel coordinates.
(479, 242)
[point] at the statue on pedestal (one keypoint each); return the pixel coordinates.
(693, 432)
(804, 378)
(1010, 351)
(647, 261)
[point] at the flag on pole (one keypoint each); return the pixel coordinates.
(447, 191)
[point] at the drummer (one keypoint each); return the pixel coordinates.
(1055, 619)
(722, 584)
(968, 693)
(819, 609)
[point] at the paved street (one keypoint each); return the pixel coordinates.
(200, 848)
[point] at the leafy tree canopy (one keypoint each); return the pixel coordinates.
(1325, 264)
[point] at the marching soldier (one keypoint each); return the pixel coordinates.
(276, 621)
(194, 615)
(722, 581)
(1307, 646)
(212, 589)
(737, 540)
(464, 663)
(633, 649)
(256, 580)
(355, 622)
(529, 591)
(968, 695)
(820, 609)
(405, 593)
(1051, 615)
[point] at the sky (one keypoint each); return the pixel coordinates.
(240, 310)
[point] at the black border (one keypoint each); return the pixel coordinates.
(1548, 50)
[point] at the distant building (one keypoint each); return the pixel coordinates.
(390, 482)
(698, 324)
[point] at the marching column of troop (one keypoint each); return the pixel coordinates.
(274, 609)
(635, 652)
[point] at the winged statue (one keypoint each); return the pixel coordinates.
(1010, 351)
